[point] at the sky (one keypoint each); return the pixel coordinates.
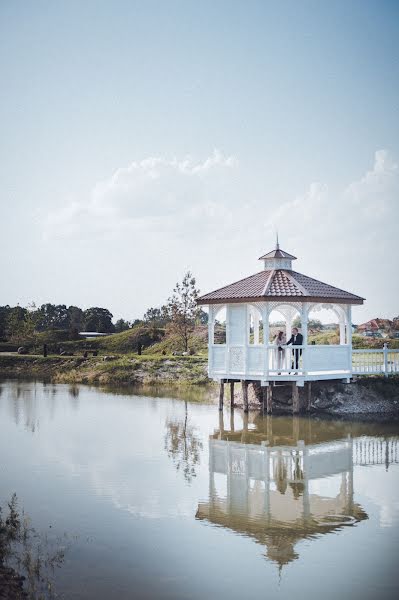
(139, 140)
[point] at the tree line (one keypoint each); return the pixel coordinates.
(18, 322)
(179, 315)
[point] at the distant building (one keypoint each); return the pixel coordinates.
(92, 334)
(375, 328)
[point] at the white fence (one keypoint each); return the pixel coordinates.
(376, 451)
(374, 362)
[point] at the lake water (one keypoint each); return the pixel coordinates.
(162, 497)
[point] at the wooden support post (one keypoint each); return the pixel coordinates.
(221, 425)
(295, 429)
(269, 405)
(309, 398)
(245, 395)
(232, 419)
(232, 394)
(244, 434)
(264, 398)
(269, 430)
(295, 398)
(221, 394)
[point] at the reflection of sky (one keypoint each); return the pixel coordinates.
(383, 491)
(95, 465)
(116, 448)
(327, 487)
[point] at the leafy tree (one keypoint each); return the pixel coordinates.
(152, 315)
(75, 320)
(157, 316)
(20, 324)
(52, 316)
(182, 309)
(202, 317)
(98, 319)
(312, 323)
(122, 325)
(136, 322)
(4, 315)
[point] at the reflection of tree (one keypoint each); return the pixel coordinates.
(183, 445)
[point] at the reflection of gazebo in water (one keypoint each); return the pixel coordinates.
(268, 496)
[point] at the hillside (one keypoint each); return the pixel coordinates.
(159, 341)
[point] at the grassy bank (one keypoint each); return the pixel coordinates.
(120, 370)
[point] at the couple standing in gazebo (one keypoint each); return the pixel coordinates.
(280, 340)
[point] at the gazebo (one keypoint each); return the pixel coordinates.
(246, 353)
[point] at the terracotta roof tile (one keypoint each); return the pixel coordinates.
(250, 286)
(280, 283)
(317, 288)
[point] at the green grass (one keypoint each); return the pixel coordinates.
(122, 369)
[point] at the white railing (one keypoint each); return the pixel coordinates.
(374, 362)
(289, 359)
(259, 362)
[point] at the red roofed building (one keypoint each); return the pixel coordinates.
(376, 326)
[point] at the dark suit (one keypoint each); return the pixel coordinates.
(296, 340)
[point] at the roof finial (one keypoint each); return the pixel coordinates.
(277, 244)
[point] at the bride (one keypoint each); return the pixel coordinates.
(280, 340)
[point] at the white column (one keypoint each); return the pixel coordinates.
(266, 326)
(304, 322)
(266, 335)
(349, 325)
(341, 330)
(211, 328)
(246, 340)
(255, 315)
(227, 355)
(349, 335)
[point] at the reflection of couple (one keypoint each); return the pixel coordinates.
(280, 340)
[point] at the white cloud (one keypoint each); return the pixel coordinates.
(346, 237)
(375, 197)
(155, 194)
(364, 210)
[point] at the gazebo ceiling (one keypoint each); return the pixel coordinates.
(279, 284)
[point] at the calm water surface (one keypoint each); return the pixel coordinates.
(160, 497)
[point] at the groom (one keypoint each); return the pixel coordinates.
(296, 340)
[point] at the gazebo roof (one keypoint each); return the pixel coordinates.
(277, 253)
(279, 284)
(279, 537)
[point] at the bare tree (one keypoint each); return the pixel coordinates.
(182, 309)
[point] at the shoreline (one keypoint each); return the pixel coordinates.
(109, 370)
(370, 397)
